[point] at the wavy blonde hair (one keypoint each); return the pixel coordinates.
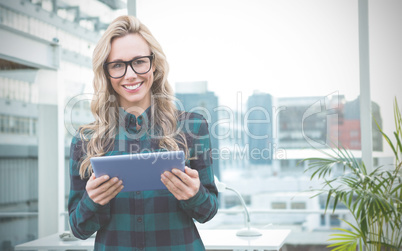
(99, 135)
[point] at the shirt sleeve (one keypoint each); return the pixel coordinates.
(204, 205)
(85, 216)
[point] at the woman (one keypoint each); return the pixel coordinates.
(134, 113)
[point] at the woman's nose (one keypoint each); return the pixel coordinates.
(130, 72)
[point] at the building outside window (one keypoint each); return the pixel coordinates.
(278, 205)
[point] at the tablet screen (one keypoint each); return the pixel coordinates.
(141, 171)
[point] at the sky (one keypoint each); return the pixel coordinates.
(286, 48)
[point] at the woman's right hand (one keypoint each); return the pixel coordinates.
(103, 189)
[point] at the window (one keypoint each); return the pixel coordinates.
(298, 205)
(12, 125)
(15, 125)
(334, 220)
(278, 205)
(34, 124)
(4, 121)
(322, 220)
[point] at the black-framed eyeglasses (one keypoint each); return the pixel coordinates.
(139, 65)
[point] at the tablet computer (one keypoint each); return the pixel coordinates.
(141, 171)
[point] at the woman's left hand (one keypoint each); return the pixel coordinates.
(183, 185)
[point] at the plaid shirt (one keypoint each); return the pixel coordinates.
(145, 220)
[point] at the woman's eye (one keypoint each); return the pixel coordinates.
(117, 65)
(139, 62)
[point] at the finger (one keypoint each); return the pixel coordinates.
(89, 186)
(172, 183)
(175, 178)
(104, 187)
(106, 200)
(168, 179)
(106, 191)
(94, 183)
(178, 188)
(184, 177)
(91, 179)
(190, 177)
(191, 172)
(193, 180)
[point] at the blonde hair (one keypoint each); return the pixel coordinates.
(99, 136)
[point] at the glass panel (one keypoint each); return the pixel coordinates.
(78, 76)
(18, 158)
(287, 83)
(18, 196)
(19, 104)
(385, 65)
(17, 229)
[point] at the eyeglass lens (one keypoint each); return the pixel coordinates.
(118, 69)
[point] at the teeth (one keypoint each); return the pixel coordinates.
(132, 87)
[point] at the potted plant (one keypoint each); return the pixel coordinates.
(374, 199)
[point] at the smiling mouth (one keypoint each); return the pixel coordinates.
(132, 87)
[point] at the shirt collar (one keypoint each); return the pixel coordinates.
(128, 120)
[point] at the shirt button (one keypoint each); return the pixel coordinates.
(139, 219)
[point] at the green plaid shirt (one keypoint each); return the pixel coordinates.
(145, 220)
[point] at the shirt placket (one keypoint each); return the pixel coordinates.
(139, 221)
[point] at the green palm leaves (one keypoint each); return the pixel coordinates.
(374, 199)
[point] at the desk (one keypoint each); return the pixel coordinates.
(53, 242)
(227, 239)
(213, 239)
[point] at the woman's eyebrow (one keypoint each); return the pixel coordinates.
(121, 60)
(115, 60)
